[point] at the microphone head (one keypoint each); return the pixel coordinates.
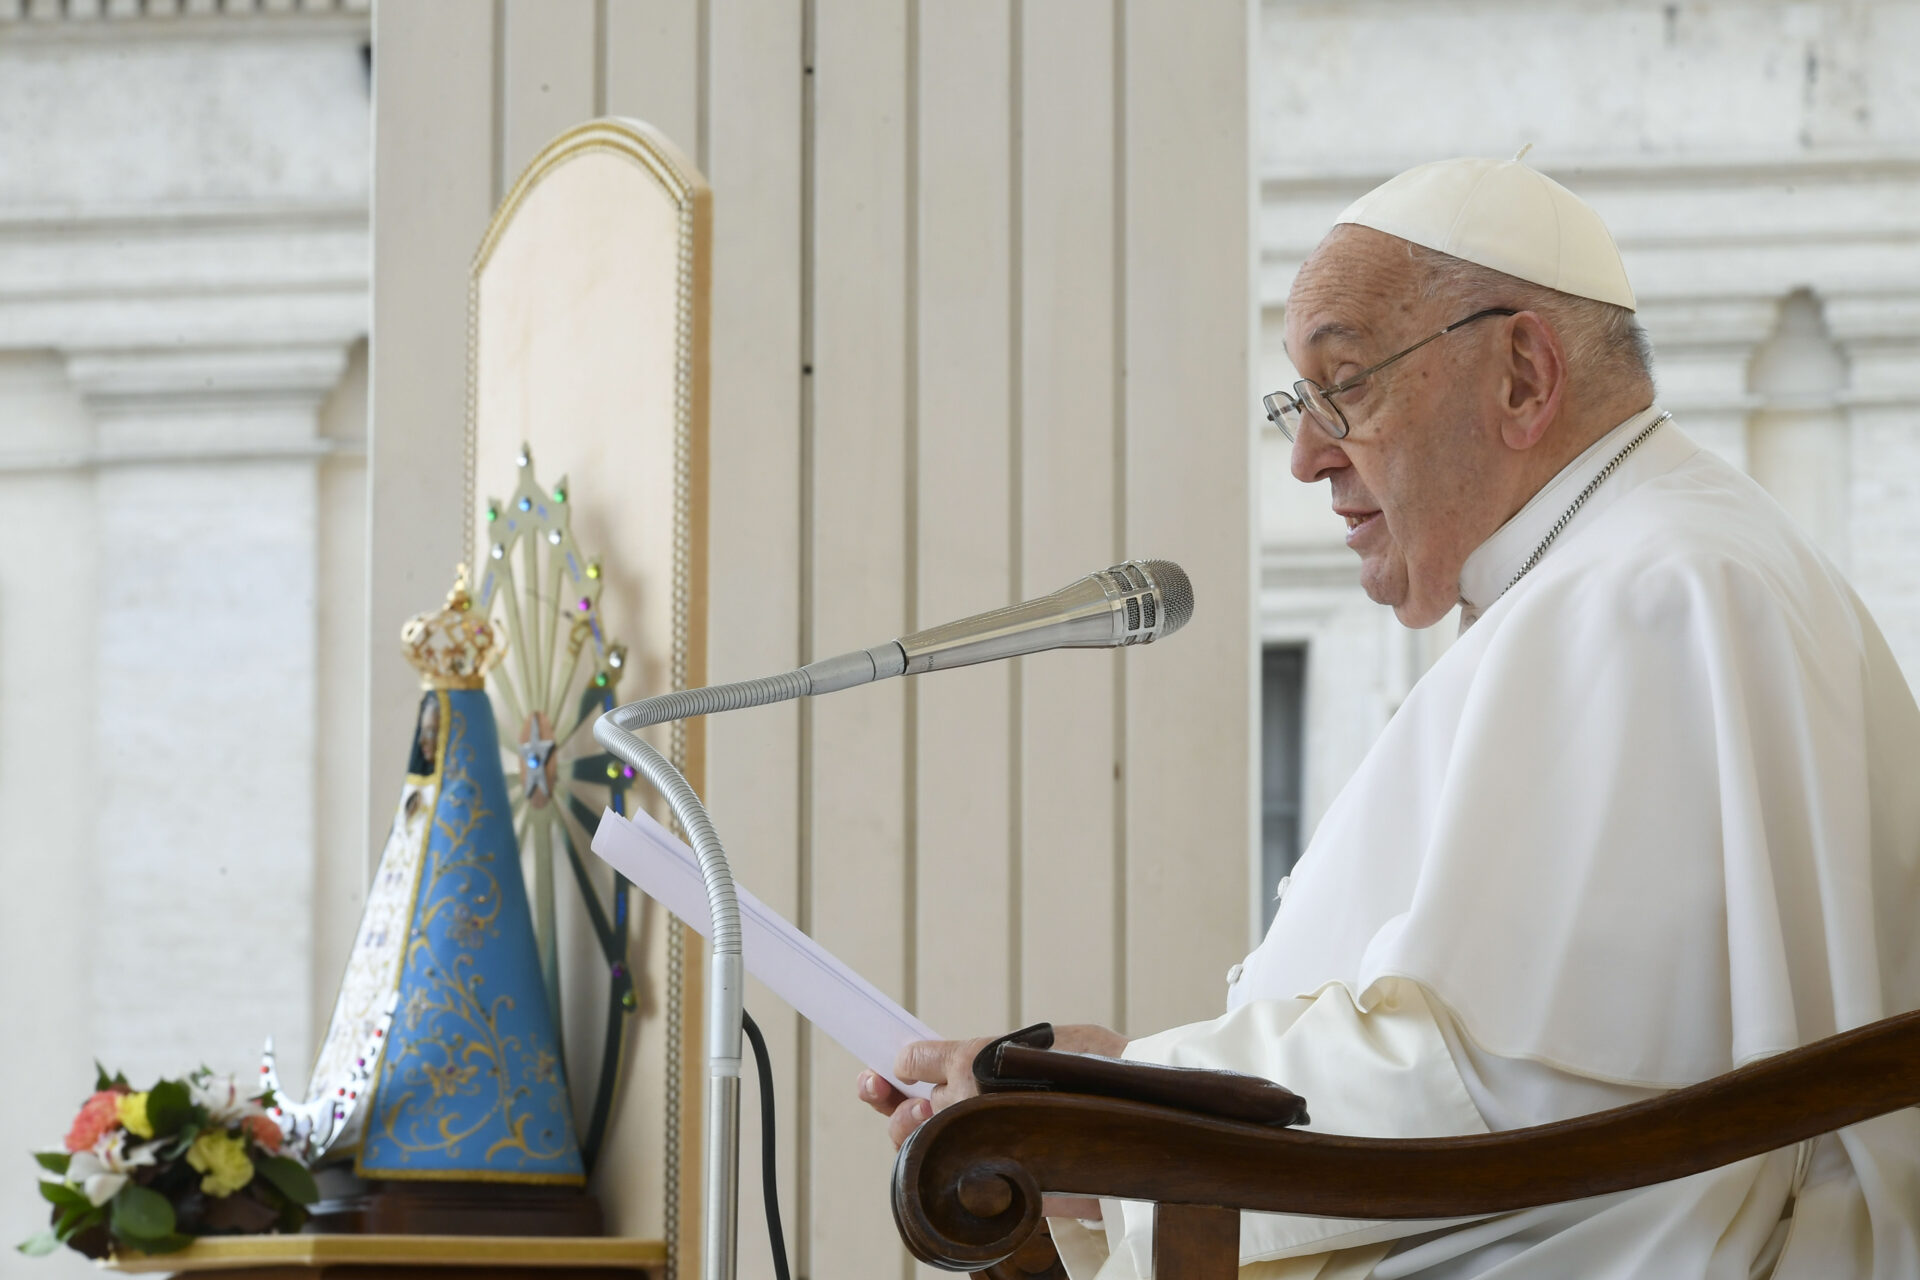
(1176, 593)
(1151, 598)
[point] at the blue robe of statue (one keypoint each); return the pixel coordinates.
(470, 1085)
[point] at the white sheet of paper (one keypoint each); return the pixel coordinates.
(857, 1014)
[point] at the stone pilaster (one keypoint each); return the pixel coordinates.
(1880, 334)
(207, 534)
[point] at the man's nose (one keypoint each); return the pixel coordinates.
(1316, 454)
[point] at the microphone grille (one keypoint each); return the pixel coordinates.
(1176, 593)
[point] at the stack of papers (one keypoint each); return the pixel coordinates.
(860, 1017)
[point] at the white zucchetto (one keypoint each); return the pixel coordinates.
(1504, 215)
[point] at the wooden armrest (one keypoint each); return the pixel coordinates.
(1025, 1061)
(967, 1184)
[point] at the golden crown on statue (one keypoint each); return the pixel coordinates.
(455, 646)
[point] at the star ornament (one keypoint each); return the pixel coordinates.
(536, 753)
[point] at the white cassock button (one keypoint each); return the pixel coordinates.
(1280, 890)
(1233, 974)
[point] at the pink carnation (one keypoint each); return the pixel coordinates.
(98, 1116)
(264, 1132)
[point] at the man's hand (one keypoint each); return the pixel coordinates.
(947, 1065)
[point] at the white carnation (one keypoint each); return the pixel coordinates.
(223, 1098)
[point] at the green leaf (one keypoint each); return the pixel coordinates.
(290, 1177)
(53, 1161)
(60, 1195)
(77, 1219)
(181, 1142)
(141, 1213)
(40, 1245)
(169, 1107)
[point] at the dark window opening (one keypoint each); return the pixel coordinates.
(1283, 697)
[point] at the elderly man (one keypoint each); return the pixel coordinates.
(1651, 817)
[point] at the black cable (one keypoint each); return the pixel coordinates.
(769, 1170)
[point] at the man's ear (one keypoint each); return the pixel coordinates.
(1535, 381)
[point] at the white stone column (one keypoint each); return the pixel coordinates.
(1799, 438)
(50, 919)
(1880, 335)
(204, 724)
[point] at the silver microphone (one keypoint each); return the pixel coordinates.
(1137, 602)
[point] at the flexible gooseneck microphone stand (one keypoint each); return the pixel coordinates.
(617, 731)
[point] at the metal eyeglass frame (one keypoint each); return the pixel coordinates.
(1310, 398)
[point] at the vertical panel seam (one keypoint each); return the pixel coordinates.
(1121, 303)
(803, 860)
(498, 124)
(599, 57)
(703, 79)
(1251, 501)
(910, 825)
(1016, 513)
(910, 493)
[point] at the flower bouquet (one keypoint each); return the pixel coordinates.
(150, 1171)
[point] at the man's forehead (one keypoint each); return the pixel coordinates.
(1354, 281)
(1311, 327)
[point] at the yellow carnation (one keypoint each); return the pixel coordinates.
(223, 1158)
(133, 1115)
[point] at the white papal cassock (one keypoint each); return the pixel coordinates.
(1654, 815)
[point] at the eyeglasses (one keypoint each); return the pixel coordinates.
(1310, 399)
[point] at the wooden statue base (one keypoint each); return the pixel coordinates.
(404, 1257)
(355, 1206)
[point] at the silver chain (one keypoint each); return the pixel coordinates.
(1580, 501)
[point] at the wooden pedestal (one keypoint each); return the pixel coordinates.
(353, 1206)
(408, 1257)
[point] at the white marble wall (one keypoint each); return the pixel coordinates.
(183, 306)
(1759, 164)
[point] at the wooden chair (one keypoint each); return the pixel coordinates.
(967, 1185)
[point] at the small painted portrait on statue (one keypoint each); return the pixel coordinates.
(426, 738)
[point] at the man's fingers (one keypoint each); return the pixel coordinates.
(908, 1116)
(877, 1092)
(924, 1062)
(944, 1064)
(936, 1062)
